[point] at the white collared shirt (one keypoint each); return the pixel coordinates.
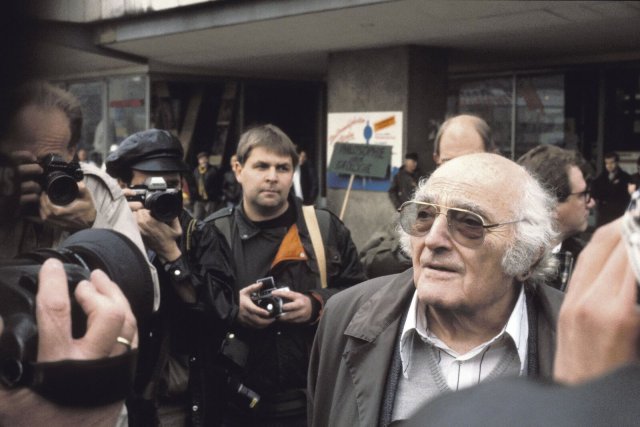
(465, 370)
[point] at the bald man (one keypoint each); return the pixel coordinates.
(460, 135)
(472, 308)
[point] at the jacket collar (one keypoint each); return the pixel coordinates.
(384, 307)
(247, 229)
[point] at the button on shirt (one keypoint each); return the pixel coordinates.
(465, 370)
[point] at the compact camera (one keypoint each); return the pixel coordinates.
(60, 179)
(265, 299)
(164, 203)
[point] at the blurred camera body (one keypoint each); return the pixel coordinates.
(81, 253)
(266, 300)
(60, 179)
(164, 203)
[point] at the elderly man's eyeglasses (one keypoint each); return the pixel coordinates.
(466, 227)
(585, 195)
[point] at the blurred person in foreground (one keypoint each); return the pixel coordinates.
(459, 135)
(43, 130)
(560, 171)
(47, 120)
(472, 308)
(177, 383)
(596, 370)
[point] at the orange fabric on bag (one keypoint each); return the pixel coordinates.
(291, 248)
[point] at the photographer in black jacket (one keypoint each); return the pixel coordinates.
(177, 380)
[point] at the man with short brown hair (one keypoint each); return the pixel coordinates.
(560, 171)
(271, 234)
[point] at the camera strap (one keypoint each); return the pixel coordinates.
(84, 382)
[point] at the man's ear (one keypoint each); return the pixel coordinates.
(122, 184)
(436, 159)
(237, 169)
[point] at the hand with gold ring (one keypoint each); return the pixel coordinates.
(111, 330)
(124, 342)
(110, 320)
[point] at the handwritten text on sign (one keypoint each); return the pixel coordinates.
(360, 159)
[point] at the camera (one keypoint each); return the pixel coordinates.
(264, 298)
(81, 253)
(60, 179)
(164, 203)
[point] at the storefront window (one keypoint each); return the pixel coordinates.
(127, 107)
(490, 99)
(540, 112)
(91, 96)
(536, 118)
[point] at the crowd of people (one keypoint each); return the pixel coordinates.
(480, 303)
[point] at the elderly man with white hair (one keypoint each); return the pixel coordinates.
(472, 308)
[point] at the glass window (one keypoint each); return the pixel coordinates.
(622, 110)
(540, 112)
(91, 97)
(127, 107)
(539, 109)
(490, 99)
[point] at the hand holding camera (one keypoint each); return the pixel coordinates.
(77, 215)
(263, 302)
(164, 204)
(110, 317)
(54, 189)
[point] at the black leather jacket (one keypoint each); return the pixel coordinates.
(279, 354)
(194, 331)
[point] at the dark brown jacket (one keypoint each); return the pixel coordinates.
(354, 344)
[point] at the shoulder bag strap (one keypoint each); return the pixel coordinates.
(311, 220)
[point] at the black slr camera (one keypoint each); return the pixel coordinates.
(81, 253)
(164, 203)
(60, 179)
(265, 299)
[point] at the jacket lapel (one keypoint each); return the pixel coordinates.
(549, 300)
(371, 336)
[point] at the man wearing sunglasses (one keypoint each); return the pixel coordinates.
(562, 172)
(458, 135)
(472, 308)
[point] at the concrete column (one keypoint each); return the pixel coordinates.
(410, 79)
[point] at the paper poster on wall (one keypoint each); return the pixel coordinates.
(380, 128)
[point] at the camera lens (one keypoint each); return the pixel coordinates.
(164, 206)
(61, 188)
(121, 259)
